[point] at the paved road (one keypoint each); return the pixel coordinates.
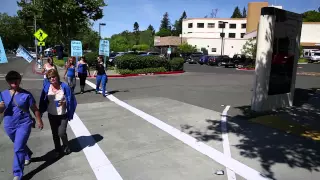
(135, 130)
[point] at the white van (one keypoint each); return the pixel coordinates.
(313, 55)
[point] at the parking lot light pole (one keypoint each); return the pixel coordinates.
(101, 24)
(222, 35)
(104, 58)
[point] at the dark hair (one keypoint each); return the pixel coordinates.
(13, 75)
(84, 59)
(100, 57)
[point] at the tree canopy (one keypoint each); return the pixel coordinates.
(311, 16)
(236, 13)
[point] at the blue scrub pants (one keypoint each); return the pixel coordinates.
(102, 79)
(19, 136)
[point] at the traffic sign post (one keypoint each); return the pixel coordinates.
(40, 35)
(104, 50)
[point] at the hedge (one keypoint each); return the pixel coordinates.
(176, 64)
(133, 62)
(142, 71)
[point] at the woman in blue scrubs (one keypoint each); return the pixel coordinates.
(15, 104)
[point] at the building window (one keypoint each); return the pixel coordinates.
(232, 35)
(190, 25)
(242, 35)
(200, 25)
(232, 26)
(243, 26)
(211, 25)
(213, 49)
(222, 26)
(189, 32)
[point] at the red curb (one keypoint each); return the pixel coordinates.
(246, 69)
(148, 74)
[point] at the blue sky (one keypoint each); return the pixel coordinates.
(120, 15)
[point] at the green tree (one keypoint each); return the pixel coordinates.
(250, 48)
(151, 28)
(136, 32)
(146, 37)
(165, 22)
(311, 16)
(140, 47)
(244, 12)
(13, 32)
(236, 13)
(186, 48)
(178, 24)
(119, 43)
(164, 33)
(62, 20)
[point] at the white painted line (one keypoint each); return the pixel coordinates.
(100, 164)
(226, 146)
(236, 166)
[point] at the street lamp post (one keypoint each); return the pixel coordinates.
(222, 35)
(101, 24)
(104, 58)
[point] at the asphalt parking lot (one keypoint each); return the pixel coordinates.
(137, 130)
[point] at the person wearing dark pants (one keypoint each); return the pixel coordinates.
(60, 103)
(101, 76)
(83, 72)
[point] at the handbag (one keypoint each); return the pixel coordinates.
(25, 111)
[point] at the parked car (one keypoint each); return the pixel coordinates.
(218, 60)
(194, 58)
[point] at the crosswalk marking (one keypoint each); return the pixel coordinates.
(234, 165)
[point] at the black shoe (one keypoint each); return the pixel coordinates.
(66, 150)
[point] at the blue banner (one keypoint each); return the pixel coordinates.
(76, 48)
(21, 51)
(3, 57)
(104, 48)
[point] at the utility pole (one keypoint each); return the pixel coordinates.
(35, 30)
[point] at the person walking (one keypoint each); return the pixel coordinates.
(60, 103)
(46, 67)
(101, 76)
(83, 71)
(70, 74)
(15, 104)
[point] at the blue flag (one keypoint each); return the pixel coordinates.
(3, 57)
(24, 53)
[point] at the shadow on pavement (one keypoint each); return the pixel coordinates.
(75, 147)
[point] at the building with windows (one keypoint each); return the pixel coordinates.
(204, 33)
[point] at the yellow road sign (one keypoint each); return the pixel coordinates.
(40, 35)
(41, 43)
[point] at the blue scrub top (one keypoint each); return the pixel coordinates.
(14, 116)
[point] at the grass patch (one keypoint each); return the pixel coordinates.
(303, 60)
(58, 62)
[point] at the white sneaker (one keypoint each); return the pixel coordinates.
(16, 178)
(27, 162)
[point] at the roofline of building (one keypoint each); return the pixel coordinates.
(214, 19)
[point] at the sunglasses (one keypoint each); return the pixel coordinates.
(51, 77)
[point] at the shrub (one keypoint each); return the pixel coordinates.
(142, 71)
(91, 58)
(303, 60)
(176, 64)
(132, 62)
